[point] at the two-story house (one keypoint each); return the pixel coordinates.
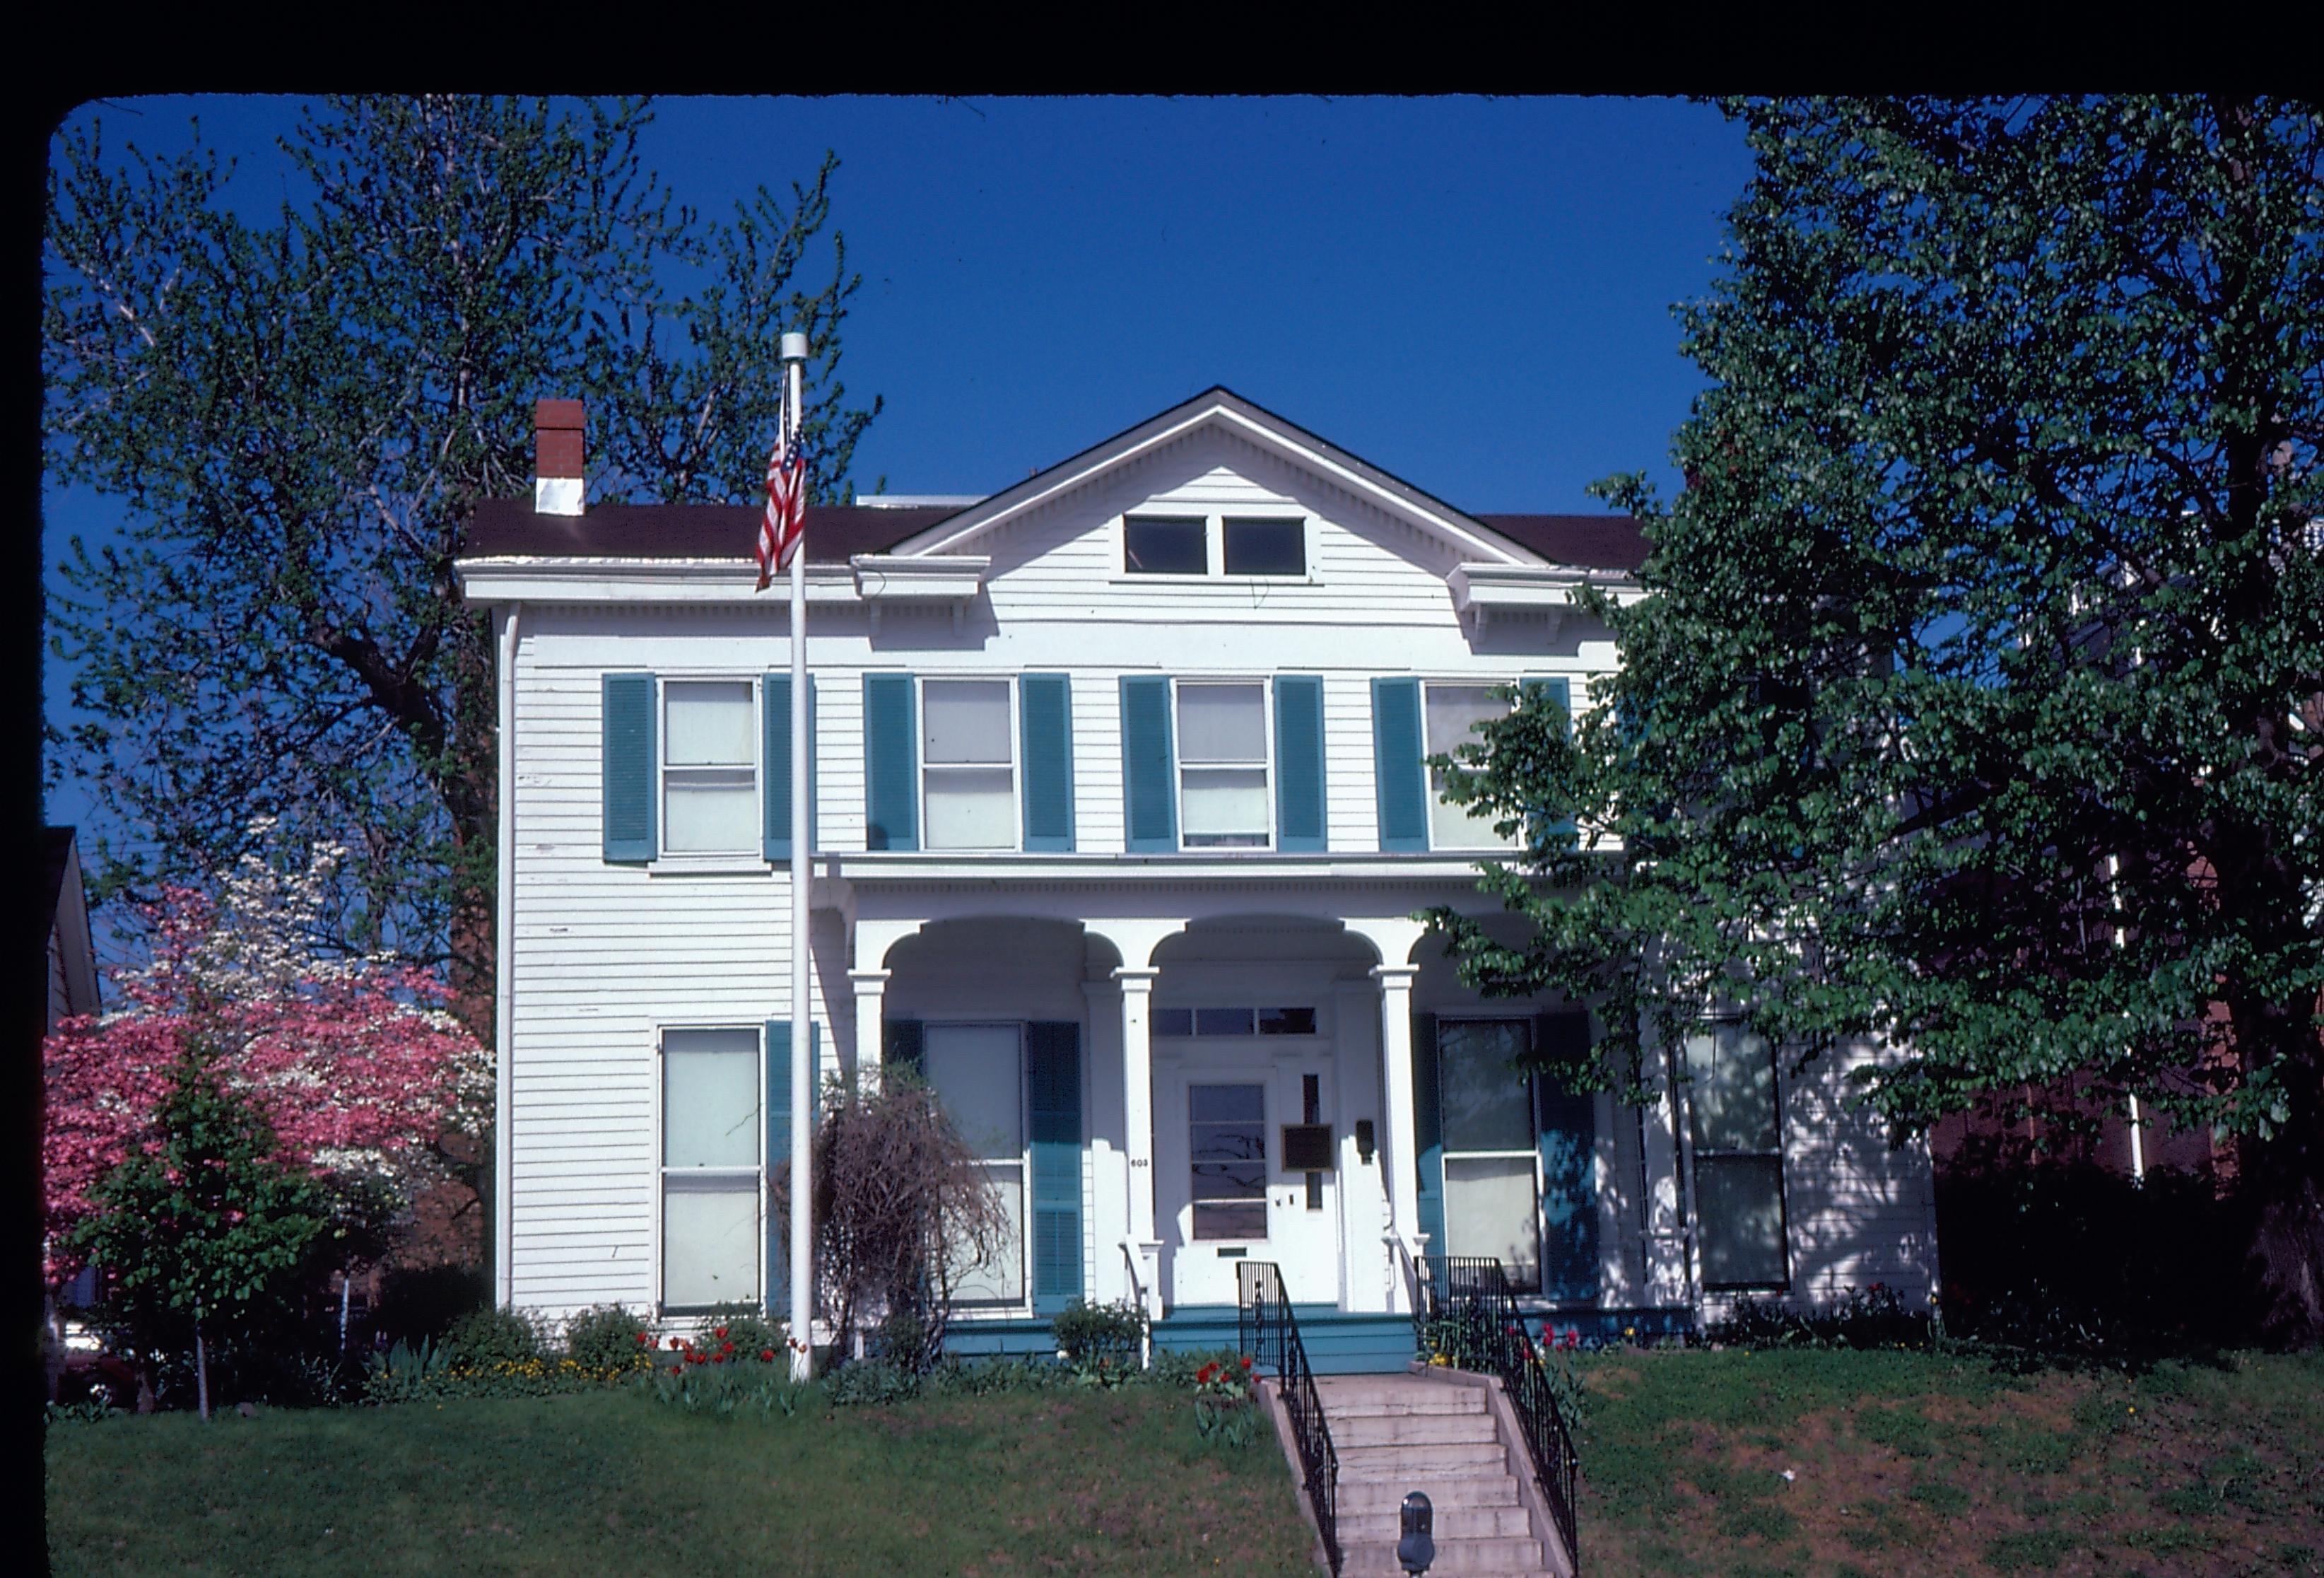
(1121, 818)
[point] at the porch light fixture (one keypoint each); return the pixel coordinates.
(1417, 1548)
(1365, 1143)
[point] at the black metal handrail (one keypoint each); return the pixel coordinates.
(1266, 1330)
(1467, 1312)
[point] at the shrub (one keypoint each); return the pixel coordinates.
(1872, 1317)
(487, 1337)
(739, 1327)
(1183, 1370)
(608, 1337)
(871, 1380)
(1101, 1339)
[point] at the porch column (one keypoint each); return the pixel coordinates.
(1402, 1162)
(871, 997)
(1137, 1124)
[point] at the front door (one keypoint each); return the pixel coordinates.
(1224, 1194)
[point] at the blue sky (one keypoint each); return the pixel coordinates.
(1472, 294)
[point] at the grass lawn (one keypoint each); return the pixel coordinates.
(1061, 1481)
(1909, 1463)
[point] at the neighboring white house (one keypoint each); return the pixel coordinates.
(1120, 820)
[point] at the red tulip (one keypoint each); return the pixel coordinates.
(767, 1355)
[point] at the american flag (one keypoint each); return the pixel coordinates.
(785, 521)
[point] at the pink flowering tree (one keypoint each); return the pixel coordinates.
(356, 1067)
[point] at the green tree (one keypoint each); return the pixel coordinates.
(206, 1228)
(1976, 701)
(298, 418)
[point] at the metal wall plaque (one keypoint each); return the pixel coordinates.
(1307, 1148)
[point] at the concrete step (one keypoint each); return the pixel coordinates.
(1372, 1558)
(1363, 1497)
(1445, 1459)
(1409, 1429)
(1451, 1523)
(1420, 1399)
(1355, 1390)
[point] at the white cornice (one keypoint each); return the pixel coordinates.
(532, 578)
(927, 869)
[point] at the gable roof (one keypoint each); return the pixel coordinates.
(836, 533)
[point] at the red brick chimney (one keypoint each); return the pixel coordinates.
(558, 480)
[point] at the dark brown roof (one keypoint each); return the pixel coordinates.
(1597, 542)
(834, 532)
(837, 533)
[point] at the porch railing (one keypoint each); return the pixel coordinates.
(1268, 1331)
(1467, 1312)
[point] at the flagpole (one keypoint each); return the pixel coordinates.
(802, 1224)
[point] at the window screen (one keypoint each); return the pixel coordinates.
(977, 1072)
(1226, 1142)
(1222, 801)
(710, 1156)
(1164, 548)
(968, 764)
(1266, 548)
(1453, 711)
(1735, 1124)
(710, 795)
(1491, 1166)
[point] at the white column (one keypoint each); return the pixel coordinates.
(1137, 1123)
(870, 994)
(1401, 1158)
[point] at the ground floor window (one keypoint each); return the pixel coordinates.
(978, 1072)
(712, 1140)
(1734, 1124)
(1492, 1203)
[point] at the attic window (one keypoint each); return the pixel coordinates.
(1165, 548)
(1266, 548)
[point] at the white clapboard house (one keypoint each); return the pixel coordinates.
(1121, 817)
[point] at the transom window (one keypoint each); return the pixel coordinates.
(1491, 1166)
(1226, 1142)
(712, 1143)
(1182, 545)
(1453, 713)
(968, 764)
(978, 1074)
(1234, 1021)
(1736, 1128)
(710, 766)
(1223, 766)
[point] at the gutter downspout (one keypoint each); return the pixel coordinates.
(504, 972)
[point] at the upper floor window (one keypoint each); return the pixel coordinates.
(1223, 765)
(1152, 547)
(710, 766)
(1453, 713)
(968, 764)
(1158, 544)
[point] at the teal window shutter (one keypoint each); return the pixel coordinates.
(1053, 1079)
(1428, 1131)
(775, 767)
(1559, 690)
(1149, 802)
(1044, 709)
(778, 1147)
(1299, 763)
(1568, 1125)
(628, 766)
(1399, 772)
(899, 1045)
(778, 1157)
(892, 764)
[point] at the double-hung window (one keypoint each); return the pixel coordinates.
(1223, 801)
(978, 1074)
(1454, 712)
(968, 764)
(712, 1158)
(709, 767)
(1735, 1129)
(1492, 1197)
